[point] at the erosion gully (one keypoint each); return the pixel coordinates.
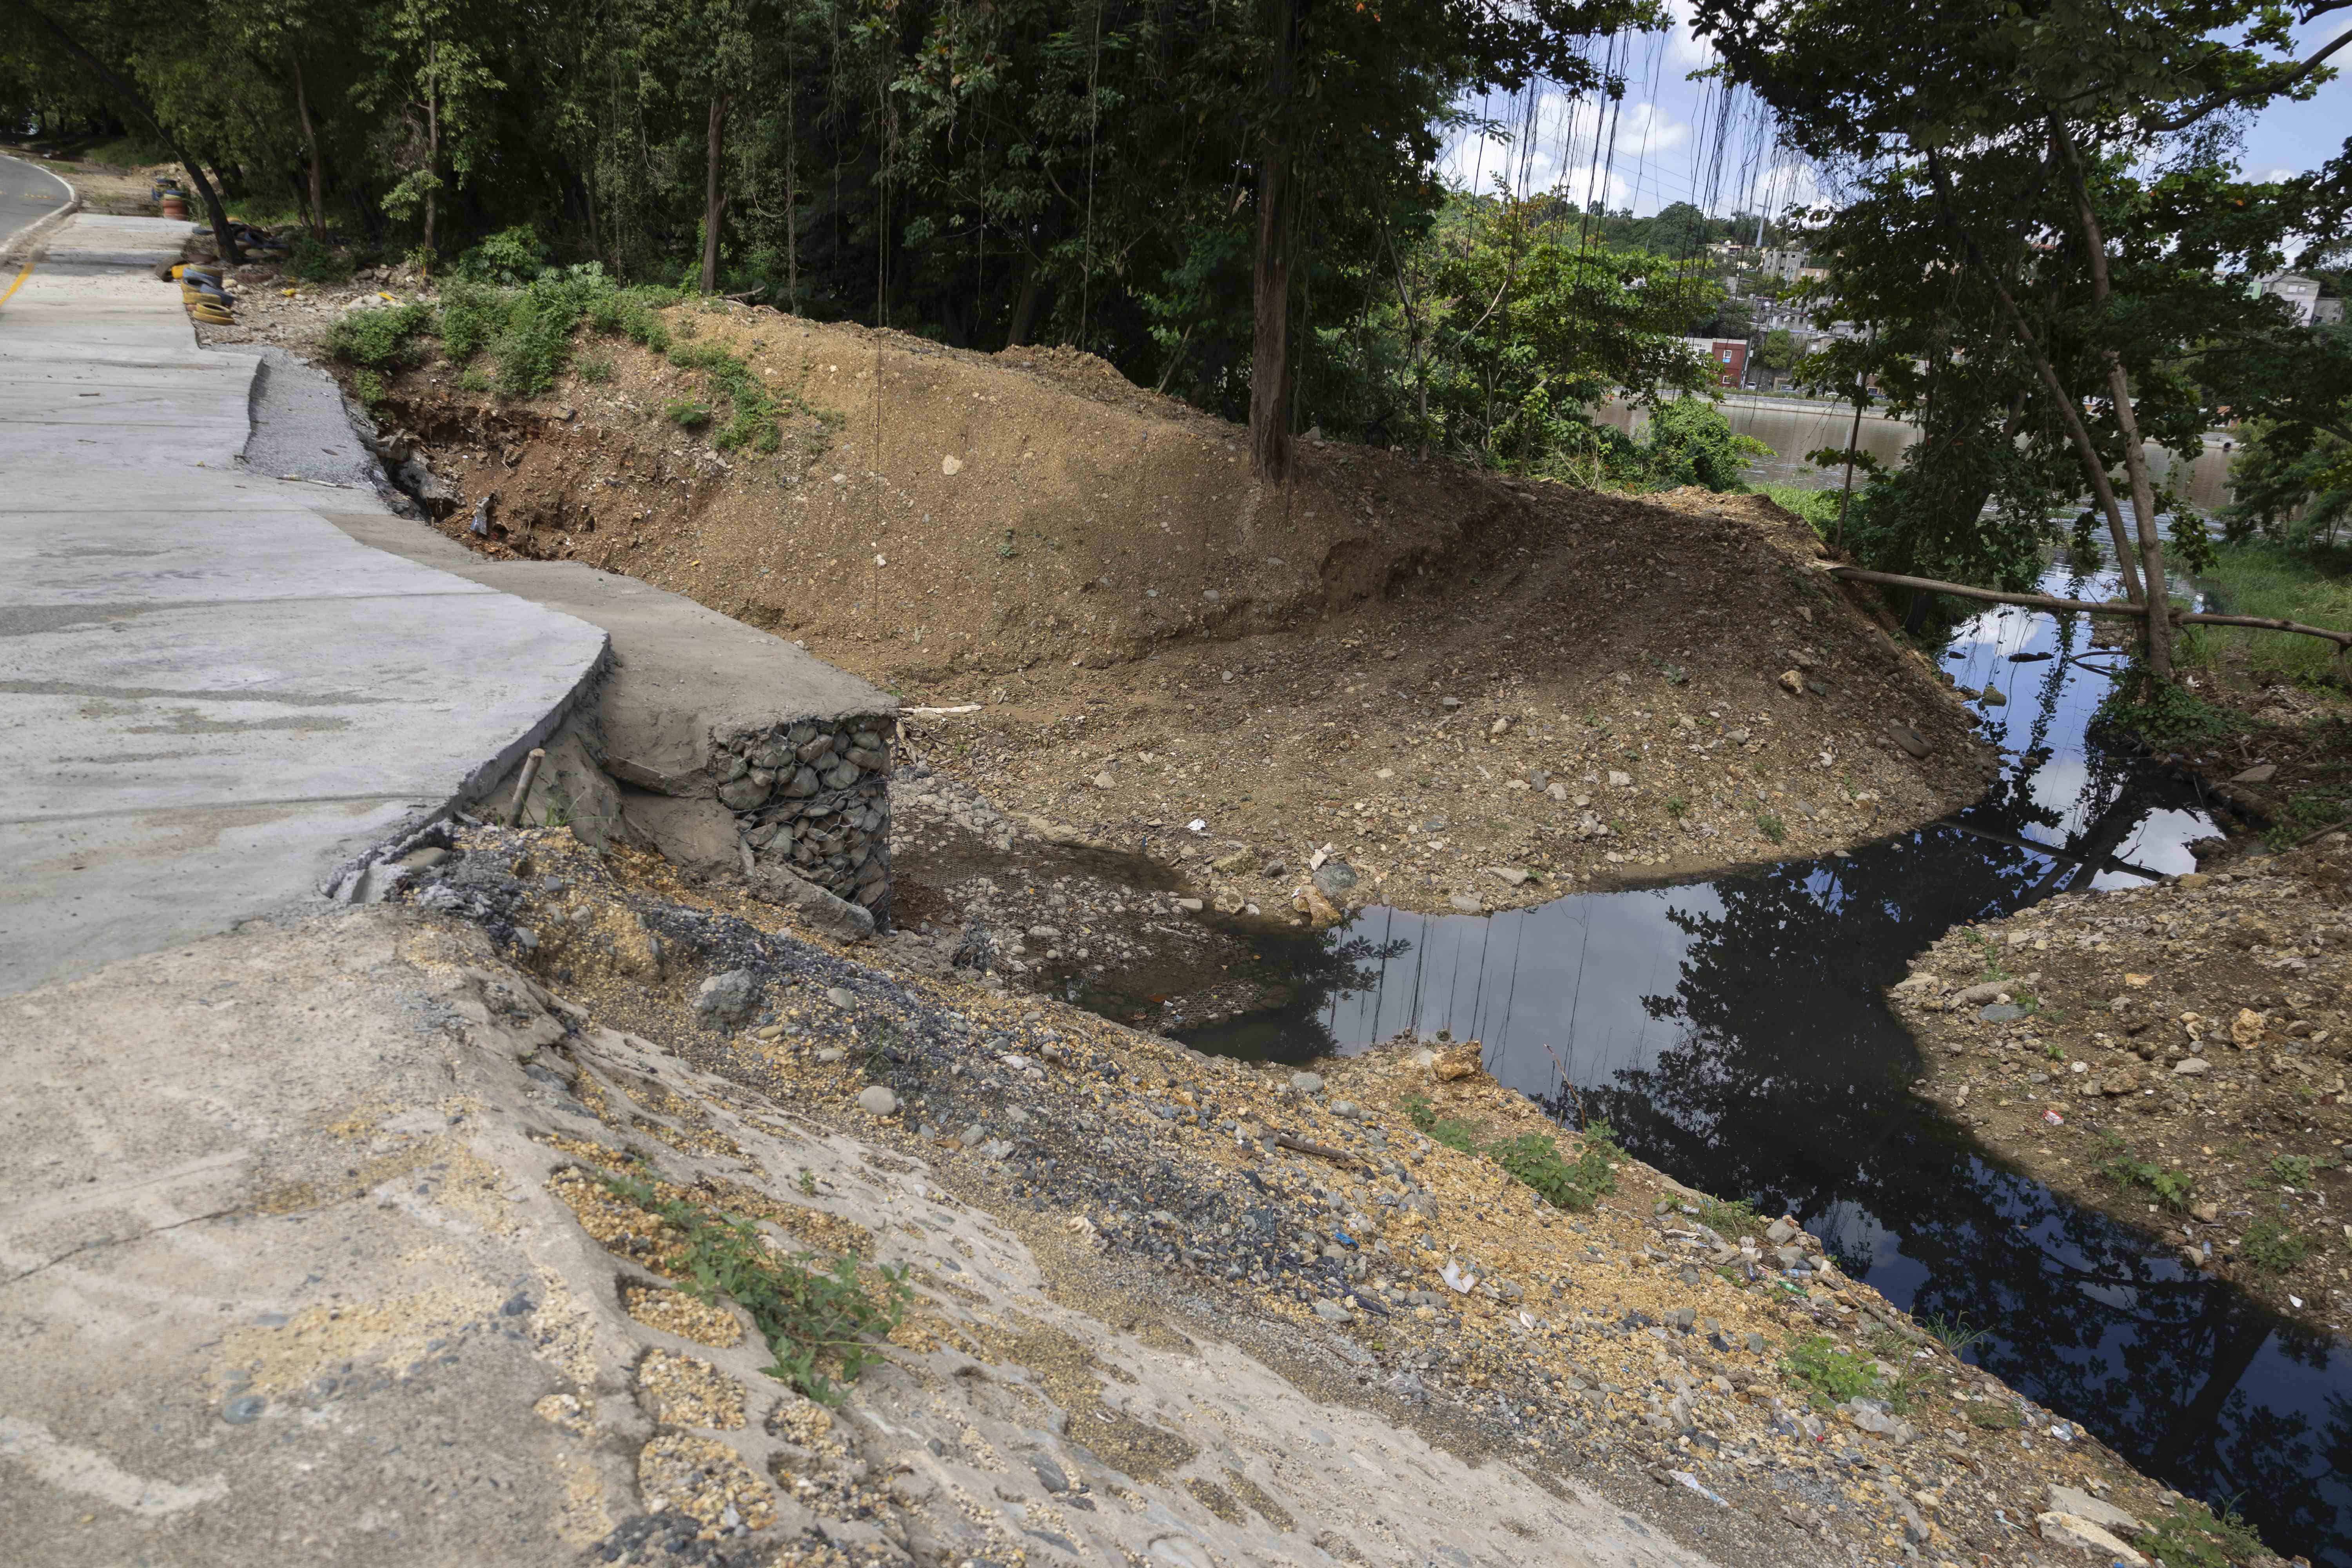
(1736, 1033)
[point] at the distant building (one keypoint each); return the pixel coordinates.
(1728, 355)
(2300, 294)
(1781, 262)
(2328, 313)
(1813, 273)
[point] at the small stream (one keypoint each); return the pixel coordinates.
(1736, 1033)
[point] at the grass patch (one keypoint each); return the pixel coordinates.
(1771, 827)
(752, 412)
(1532, 1158)
(313, 261)
(379, 339)
(2193, 1537)
(2272, 1248)
(1818, 508)
(2311, 586)
(820, 1323)
(1994, 1418)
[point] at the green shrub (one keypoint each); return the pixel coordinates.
(314, 261)
(378, 339)
(686, 413)
(1689, 442)
(596, 369)
(511, 257)
(471, 315)
(369, 388)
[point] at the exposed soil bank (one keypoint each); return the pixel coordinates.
(2174, 1054)
(1475, 692)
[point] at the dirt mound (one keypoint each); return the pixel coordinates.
(959, 511)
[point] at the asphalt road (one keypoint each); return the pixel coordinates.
(29, 193)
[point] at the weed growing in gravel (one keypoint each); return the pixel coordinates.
(1771, 827)
(596, 369)
(1532, 1158)
(1994, 1418)
(2294, 1170)
(1730, 1216)
(2273, 1246)
(1954, 1335)
(686, 413)
(2171, 1188)
(379, 340)
(1833, 1374)
(2192, 1537)
(809, 1316)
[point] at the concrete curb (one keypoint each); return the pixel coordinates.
(26, 243)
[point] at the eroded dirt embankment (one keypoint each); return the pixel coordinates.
(1475, 692)
(2174, 1055)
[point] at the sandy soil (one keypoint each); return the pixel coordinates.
(1474, 693)
(2174, 1054)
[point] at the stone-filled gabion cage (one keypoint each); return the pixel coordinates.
(813, 796)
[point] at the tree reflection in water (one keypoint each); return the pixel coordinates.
(1736, 1033)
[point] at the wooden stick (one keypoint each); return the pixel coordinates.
(1991, 595)
(522, 785)
(2343, 640)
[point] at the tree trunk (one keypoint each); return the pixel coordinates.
(2069, 411)
(310, 143)
(222, 239)
(2143, 492)
(1025, 306)
(714, 203)
(1269, 411)
(432, 150)
(793, 199)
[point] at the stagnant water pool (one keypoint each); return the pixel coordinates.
(1735, 1033)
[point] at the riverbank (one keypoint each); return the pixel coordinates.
(2173, 1054)
(1394, 1232)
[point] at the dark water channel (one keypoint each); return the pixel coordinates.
(1736, 1033)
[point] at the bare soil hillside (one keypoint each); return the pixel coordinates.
(1473, 691)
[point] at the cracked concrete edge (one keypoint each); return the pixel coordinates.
(351, 882)
(25, 244)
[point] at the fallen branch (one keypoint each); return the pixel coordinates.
(2343, 640)
(937, 713)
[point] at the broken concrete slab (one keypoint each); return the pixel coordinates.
(700, 706)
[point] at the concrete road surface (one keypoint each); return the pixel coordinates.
(211, 699)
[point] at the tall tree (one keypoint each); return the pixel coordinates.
(1998, 108)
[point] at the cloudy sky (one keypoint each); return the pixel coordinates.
(1676, 139)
